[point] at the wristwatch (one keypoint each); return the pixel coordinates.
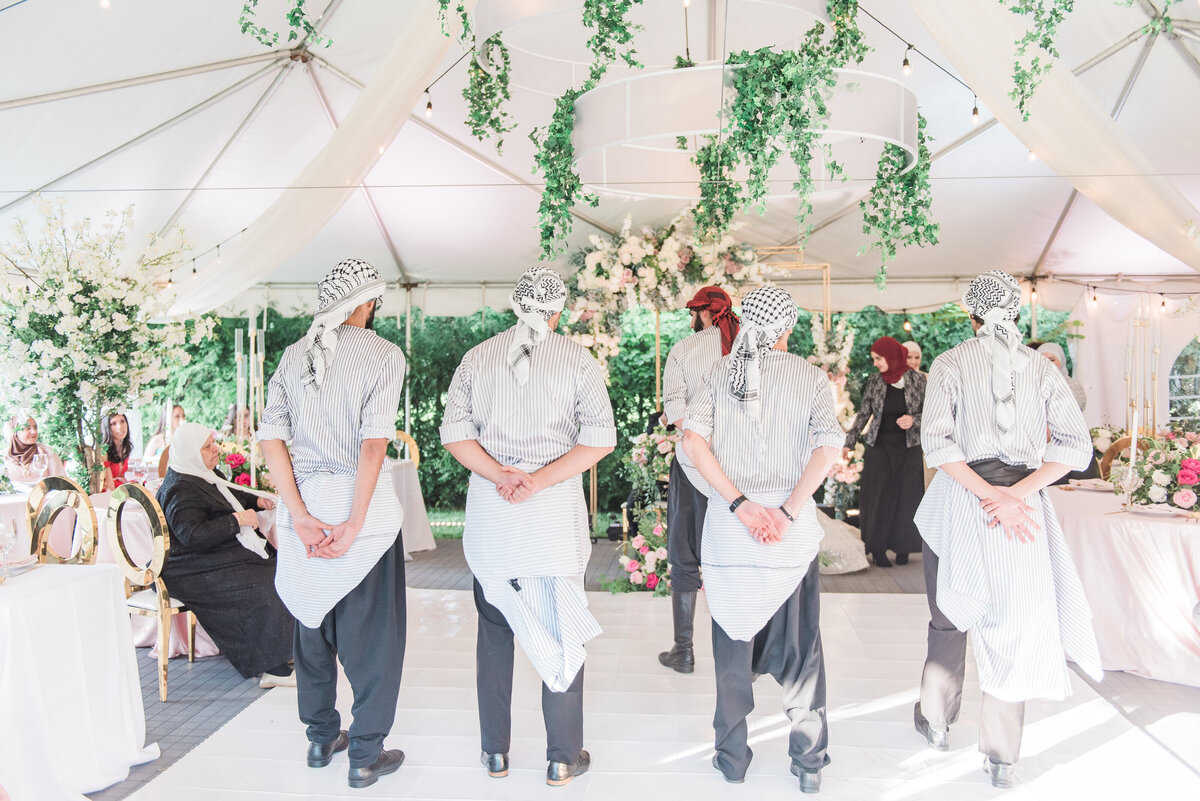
(738, 501)
(786, 514)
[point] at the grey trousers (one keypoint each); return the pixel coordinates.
(1001, 722)
(686, 506)
(562, 712)
(789, 649)
(367, 631)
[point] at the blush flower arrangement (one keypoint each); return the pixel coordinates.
(649, 461)
(235, 465)
(644, 568)
(1166, 474)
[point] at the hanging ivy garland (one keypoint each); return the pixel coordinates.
(299, 25)
(896, 212)
(486, 93)
(555, 157)
(461, 10)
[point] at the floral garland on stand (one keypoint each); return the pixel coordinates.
(646, 569)
(648, 463)
(1165, 475)
(76, 341)
(658, 269)
(832, 354)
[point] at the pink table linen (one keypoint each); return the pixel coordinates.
(1142, 579)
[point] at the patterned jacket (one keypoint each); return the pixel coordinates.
(872, 409)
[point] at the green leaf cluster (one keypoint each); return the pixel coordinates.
(460, 9)
(486, 92)
(300, 27)
(1045, 16)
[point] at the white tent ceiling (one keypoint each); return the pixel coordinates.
(459, 215)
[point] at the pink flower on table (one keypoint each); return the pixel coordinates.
(1188, 477)
(1190, 464)
(636, 577)
(645, 549)
(235, 460)
(1158, 457)
(243, 479)
(638, 541)
(1184, 499)
(658, 530)
(632, 565)
(651, 581)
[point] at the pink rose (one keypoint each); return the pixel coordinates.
(651, 581)
(1188, 477)
(636, 577)
(235, 460)
(1190, 464)
(645, 549)
(1184, 499)
(243, 479)
(661, 553)
(632, 565)
(587, 315)
(1158, 457)
(665, 446)
(638, 541)
(658, 530)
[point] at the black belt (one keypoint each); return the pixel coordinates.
(998, 473)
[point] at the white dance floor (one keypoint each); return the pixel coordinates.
(650, 733)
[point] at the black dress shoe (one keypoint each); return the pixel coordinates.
(321, 754)
(560, 773)
(902, 559)
(388, 762)
(496, 764)
(810, 780)
(724, 775)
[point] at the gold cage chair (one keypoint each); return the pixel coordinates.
(404, 439)
(1114, 451)
(144, 588)
(48, 499)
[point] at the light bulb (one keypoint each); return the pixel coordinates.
(687, 3)
(1164, 302)
(975, 114)
(429, 110)
(906, 68)
(1032, 156)
(1093, 296)
(907, 326)
(1033, 295)
(105, 4)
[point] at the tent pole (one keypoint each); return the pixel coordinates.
(657, 362)
(408, 353)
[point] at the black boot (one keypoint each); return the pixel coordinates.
(683, 610)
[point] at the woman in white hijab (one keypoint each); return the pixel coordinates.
(1054, 352)
(218, 565)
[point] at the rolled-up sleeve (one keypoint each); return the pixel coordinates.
(458, 423)
(938, 415)
(1070, 440)
(700, 412)
(593, 409)
(382, 403)
(823, 428)
(277, 418)
(674, 389)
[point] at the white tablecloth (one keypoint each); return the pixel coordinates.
(418, 536)
(1142, 579)
(71, 715)
(12, 510)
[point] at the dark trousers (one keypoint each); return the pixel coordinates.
(366, 630)
(686, 506)
(494, 656)
(789, 649)
(1001, 722)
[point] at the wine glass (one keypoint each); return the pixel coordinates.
(40, 465)
(8, 537)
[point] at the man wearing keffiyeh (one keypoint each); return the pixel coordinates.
(997, 568)
(688, 362)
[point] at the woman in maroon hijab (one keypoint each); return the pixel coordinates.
(893, 478)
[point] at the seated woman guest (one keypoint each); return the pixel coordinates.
(893, 477)
(1054, 352)
(237, 422)
(218, 565)
(168, 421)
(114, 435)
(28, 461)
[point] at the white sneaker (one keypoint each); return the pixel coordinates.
(267, 680)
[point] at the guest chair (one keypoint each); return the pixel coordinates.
(46, 502)
(1113, 452)
(403, 438)
(145, 591)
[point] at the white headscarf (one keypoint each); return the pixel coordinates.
(348, 285)
(1056, 350)
(185, 459)
(539, 295)
(995, 298)
(767, 314)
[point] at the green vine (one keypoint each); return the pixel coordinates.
(299, 25)
(461, 10)
(486, 92)
(555, 157)
(849, 43)
(720, 196)
(896, 212)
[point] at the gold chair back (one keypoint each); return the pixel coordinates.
(1115, 450)
(403, 438)
(138, 575)
(46, 502)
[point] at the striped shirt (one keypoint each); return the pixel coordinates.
(688, 364)
(959, 423)
(530, 557)
(797, 418)
(358, 400)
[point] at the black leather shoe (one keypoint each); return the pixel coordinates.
(724, 775)
(810, 780)
(321, 754)
(881, 560)
(902, 559)
(560, 773)
(388, 762)
(1001, 773)
(496, 764)
(679, 659)
(937, 739)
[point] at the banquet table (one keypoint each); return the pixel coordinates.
(1141, 575)
(418, 535)
(71, 715)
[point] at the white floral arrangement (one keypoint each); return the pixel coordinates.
(76, 337)
(832, 354)
(1103, 438)
(658, 269)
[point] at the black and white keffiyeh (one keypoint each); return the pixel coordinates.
(539, 295)
(347, 286)
(995, 298)
(767, 314)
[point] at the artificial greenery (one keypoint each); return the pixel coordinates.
(460, 9)
(487, 91)
(613, 37)
(896, 212)
(299, 25)
(720, 196)
(848, 43)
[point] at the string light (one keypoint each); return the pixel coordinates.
(1093, 295)
(105, 4)
(907, 324)
(975, 111)
(1032, 156)
(170, 283)
(1033, 292)
(1164, 302)
(906, 67)
(428, 105)
(193, 266)
(687, 3)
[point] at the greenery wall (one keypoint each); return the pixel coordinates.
(206, 387)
